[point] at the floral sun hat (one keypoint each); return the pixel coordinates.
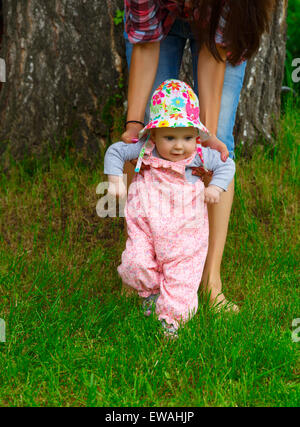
(175, 104)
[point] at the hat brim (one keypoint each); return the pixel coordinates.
(175, 122)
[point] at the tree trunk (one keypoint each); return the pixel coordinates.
(259, 107)
(65, 65)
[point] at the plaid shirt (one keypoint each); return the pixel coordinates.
(151, 20)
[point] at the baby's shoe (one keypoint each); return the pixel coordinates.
(170, 331)
(149, 304)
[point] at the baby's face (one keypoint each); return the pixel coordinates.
(175, 144)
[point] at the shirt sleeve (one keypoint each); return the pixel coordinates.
(223, 172)
(144, 20)
(219, 38)
(119, 153)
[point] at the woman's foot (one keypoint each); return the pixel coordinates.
(217, 300)
(220, 303)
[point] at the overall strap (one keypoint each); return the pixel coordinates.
(141, 155)
(199, 151)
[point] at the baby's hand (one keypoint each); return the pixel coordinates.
(116, 186)
(117, 191)
(216, 144)
(212, 194)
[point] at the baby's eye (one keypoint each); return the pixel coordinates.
(169, 138)
(189, 138)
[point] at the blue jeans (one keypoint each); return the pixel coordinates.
(171, 53)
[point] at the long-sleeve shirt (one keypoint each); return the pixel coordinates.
(151, 20)
(120, 152)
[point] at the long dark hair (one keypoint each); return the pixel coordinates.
(245, 22)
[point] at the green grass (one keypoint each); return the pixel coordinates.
(73, 339)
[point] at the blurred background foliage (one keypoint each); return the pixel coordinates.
(293, 43)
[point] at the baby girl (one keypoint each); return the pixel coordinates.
(166, 211)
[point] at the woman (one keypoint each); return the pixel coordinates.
(223, 34)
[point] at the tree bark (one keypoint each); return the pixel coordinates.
(259, 107)
(65, 62)
(66, 66)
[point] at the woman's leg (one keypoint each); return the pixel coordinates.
(219, 214)
(233, 83)
(171, 52)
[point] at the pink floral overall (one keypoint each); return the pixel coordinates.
(167, 243)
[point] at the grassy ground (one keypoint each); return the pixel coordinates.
(72, 339)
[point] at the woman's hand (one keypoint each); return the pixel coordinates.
(131, 134)
(216, 144)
